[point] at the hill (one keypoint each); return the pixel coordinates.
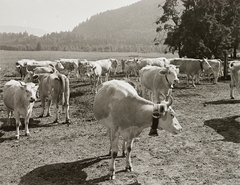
(130, 28)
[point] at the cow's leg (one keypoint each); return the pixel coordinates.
(26, 122)
(215, 80)
(9, 116)
(231, 89)
(18, 123)
(110, 139)
(67, 111)
(129, 151)
(124, 148)
(48, 108)
(57, 113)
(193, 84)
(114, 138)
(188, 80)
(43, 107)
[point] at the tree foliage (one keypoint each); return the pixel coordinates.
(203, 28)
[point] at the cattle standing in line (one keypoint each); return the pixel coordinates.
(19, 98)
(190, 67)
(158, 80)
(25, 65)
(54, 87)
(234, 68)
(118, 107)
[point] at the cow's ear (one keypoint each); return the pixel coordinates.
(94, 67)
(35, 76)
(163, 71)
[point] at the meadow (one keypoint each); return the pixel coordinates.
(206, 152)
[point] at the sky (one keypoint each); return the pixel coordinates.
(54, 15)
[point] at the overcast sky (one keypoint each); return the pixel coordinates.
(54, 15)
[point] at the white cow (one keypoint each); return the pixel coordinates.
(19, 98)
(118, 107)
(234, 68)
(158, 80)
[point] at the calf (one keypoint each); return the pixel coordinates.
(118, 107)
(19, 98)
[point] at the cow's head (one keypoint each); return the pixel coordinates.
(167, 118)
(170, 73)
(31, 77)
(29, 91)
(90, 70)
(205, 66)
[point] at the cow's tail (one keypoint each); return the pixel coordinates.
(63, 80)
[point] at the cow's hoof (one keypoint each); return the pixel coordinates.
(153, 132)
(17, 137)
(112, 177)
(128, 169)
(232, 98)
(40, 116)
(27, 134)
(68, 122)
(48, 115)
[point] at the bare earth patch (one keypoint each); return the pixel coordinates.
(206, 152)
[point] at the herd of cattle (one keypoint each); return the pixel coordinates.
(49, 80)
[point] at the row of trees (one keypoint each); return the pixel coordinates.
(200, 28)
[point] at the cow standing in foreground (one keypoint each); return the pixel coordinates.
(190, 67)
(158, 80)
(118, 107)
(19, 98)
(54, 87)
(234, 68)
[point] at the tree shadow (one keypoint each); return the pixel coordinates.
(64, 173)
(228, 127)
(223, 101)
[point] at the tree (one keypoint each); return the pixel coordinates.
(205, 28)
(39, 47)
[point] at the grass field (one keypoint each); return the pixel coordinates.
(206, 152)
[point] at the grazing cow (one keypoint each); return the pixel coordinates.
(19, 98)
(69, 66)
(55, 87)
(158, 80)
(118, 107)
(161, 62)
(216, 70)
(131, 67)
(234, 68)
(82, 68)
(190, 67)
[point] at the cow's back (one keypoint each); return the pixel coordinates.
(9, 90)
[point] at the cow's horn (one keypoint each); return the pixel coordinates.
(170, 100)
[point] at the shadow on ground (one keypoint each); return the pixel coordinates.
(228, 127)
(65, 173)
(223, 101)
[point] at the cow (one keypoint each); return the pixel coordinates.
(130, 66)
(216, 70)
(54, 87)
(69, 66)
(190, 67)
(158, 80)
(114, 65)
(97, 69)
(161, 62)
(82, 68)
(234, 69)
(118, 107)
(19, 98)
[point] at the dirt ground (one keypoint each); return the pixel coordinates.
(206, 152)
